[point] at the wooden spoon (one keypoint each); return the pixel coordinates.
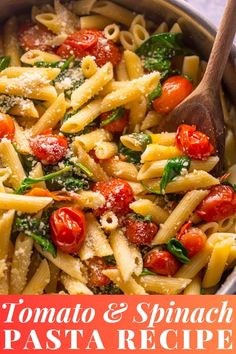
(203, 107)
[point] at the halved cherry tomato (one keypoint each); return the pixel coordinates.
(7, 126)
(118, 195)
(193, 143)
(174, 90)
(33, 36)
(90, 42)
(95, 276)
(219, 204)
(49, 148)
(67, 227)
(117, 126)
(140, 232)
(161, 262)
(193, 239)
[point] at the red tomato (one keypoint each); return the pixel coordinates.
(117, 126)
(174, 90)
(161, 262)
(49, 148)
(219, 204)
(140, 232)
(67, 227)
(7, 126)
(90, 42)
(118, 195)
(193, 240)
(193, 143)
(35, 37)
(95, 276)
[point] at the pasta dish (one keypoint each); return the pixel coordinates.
(94, 199)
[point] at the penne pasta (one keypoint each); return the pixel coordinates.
(23, 203)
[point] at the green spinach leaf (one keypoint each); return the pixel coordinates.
(115, 115)
(159, 49)
(157, 92)
(146, 271)
(131, 155)
(4, 62)
(178, 250)
(172, 169)
(227, 183)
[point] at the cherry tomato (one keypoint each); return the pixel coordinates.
(161, 262)
(117, 126)
(219, 204)
(49, 148)
(174, 90)
(35, 37)
(193, 143)
(7, 126)
(95, 276)
(90, 42)
(118, 195)
(193, 240)
(67, 227)
(140, 232)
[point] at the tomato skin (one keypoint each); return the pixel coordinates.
(33, 36)
(117, 126)
(161, 262)
(95, 276)
(7, 126)
(140, 232)
(118, 195)
(90, 42)
(49, 148)
(67, 226)
(193, 143)
(219, 204)
(193, 240)
(174, 90)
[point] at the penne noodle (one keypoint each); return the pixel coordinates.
(23, 203)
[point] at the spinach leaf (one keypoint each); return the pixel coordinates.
(159, 49)
(146, 271)
(150, 189)
(143, 139)
(110, 260)
(62, 64)
(172, 169)
(4, 62)
(37, 229)
(147, 218)
(115, 115)
(46, 244)
(154, 94)
(74, 184)
(131, 155)
(178, 250)
(227, 183)
(28, 182)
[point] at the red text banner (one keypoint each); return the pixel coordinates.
(117, 324)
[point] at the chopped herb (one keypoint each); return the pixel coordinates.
(75, 184)
(159, 49)
(154, 94)
(131, 155)
(147, 218)
(146, 271)
(4, 62)
(115, 115)
(178, 250)
(172, 169)
(37, 229)
(227, 183)
(110, 260)
(28, 182)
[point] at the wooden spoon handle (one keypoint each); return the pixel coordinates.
(221, 48)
